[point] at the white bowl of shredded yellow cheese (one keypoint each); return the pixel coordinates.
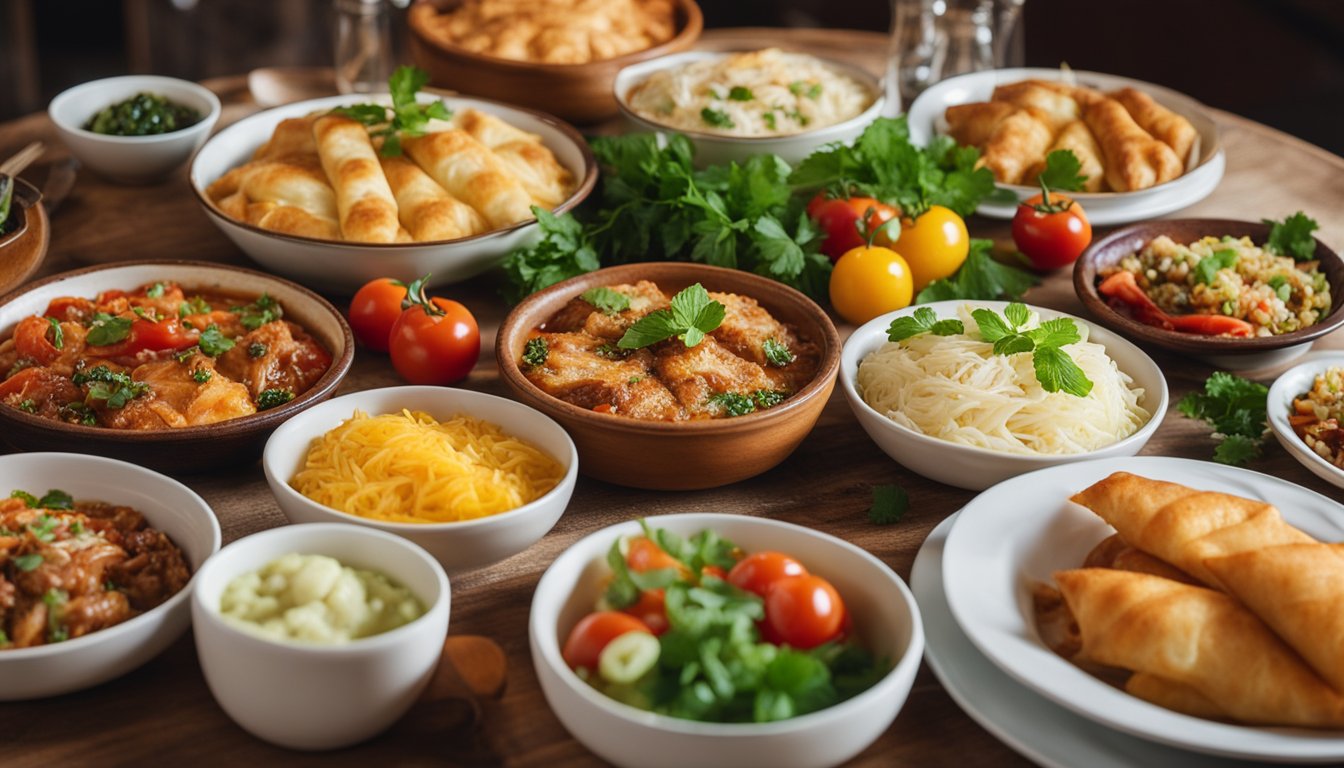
(950, 409)
(473, 478)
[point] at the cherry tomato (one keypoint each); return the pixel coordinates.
(593, 632)
(839, 216)
(642, 554)
(934, 245)
(433, 342)
(374, 310)
(30, 340)
(757, 571)
(803, 612)
(651, 608)
(1051, 233)
(164, 335)
(870, 281)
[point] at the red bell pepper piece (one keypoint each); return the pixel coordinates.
(1121, 288)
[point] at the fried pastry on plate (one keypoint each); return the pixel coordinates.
(468, 170)
(1058, 105)
(424, 208)
(1133, 158)
(1114, 552)
(1018, 142)
(1165, 126)
(1076, 138)
(973, 124)
(1177, 697)
(367, 208)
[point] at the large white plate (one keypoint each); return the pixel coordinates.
(1293, 382)
(1022, 530)
(1041, 731)
(1103, 208)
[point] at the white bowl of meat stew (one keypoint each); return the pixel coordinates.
(160, 387)
(95, 594)
(284, 219)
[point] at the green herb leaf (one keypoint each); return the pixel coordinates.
(56, 499)
(196, 305)
(28, 405)
(764, 398)
(27, 562)
(1017, 314)
(155, 291)
(1063, 171)
(717, 118)
(1208, 267)
(804, 88)
(890, 503)
(979, 278)
(270, 398)
(563, 251)
(1013, 344)
(57, 335)
(115, 389)
(107, 329)
(256, 350)
(993, 327)
(777, 353)
(1281, 287)
(692, 315)
(535, 352)
(923, 320)
(200, 375)
(1236, 450)
(260, 312)
(1058, 373)
(1235, 408)
(213, 342)
(733, 403)
(407, 116)
(608, 301)
(1055, 333)
(740, 93)
(28, 498)
(1292, 237)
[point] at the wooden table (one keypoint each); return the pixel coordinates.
(164, 711)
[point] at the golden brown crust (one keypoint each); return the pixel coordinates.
(1166, 126)
(467, 170)
(1076, 138)
(974, 123)
(1018, 142)
(368, 210)
(1134, 159)
(424, 208)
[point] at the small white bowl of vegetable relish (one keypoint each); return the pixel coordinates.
(775, 644)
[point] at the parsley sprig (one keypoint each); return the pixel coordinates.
(980, 278)
(890, 503)
(692, 315)
(1063, 171)
(408, 117)
(1236, 408)
(1292, 237)
(607, 300)
(114, 389)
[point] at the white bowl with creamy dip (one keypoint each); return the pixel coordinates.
(734, 110)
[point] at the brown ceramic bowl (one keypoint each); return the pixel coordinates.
(24, 246)
(1223, 351)
(580, 93)
(226, 444)
(684, 455)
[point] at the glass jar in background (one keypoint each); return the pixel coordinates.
(936, 39)
(363, 46)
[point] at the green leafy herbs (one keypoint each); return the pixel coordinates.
(107, 329)
(6, 202)
(57, 335)
(270, 398)
(213, 342)
(924, 320)
(980, 278)
(28, 406)
(193, 306)
(717, 118)
(806, 89)
(200, 375)
(407, 117)
(1207, 268)
(563, 251)
(740, 93)
(777, 353)
(535, 352)
(692, 315)
(1236, 408)
(606, 300)
(114, 389)
(260, 312)
(27, 562)
(155, 291)
(1063, 171)
(144, 114)
(55, 600)
(78, 413)
(56, 499)
(739, 404)
(1292, 237)
(256, 350)
(890, 503)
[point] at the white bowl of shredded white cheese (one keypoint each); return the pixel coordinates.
(734, 105)
(952, 410)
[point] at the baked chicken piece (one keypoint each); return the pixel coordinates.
(592, 373)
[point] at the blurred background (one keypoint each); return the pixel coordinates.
(1280, 62)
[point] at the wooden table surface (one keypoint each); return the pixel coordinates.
(163, 711)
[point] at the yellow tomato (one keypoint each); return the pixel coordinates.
(934, 245)
(869, 281)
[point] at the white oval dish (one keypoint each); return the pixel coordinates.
(320, 697)
(885, 618)
(975, 468)
(345, 266)
(1290, 384)
(1024, 529)
(169, 506)
(459, 546)
(1103, 208)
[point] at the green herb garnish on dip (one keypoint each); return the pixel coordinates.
(144, 114)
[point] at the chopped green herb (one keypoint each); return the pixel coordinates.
(717, 118)
(155, 291)
(196, 305)
(56, 499)
(57, 335)
(890, 503)
(740, 93)
(270, 398)
(1292, 237)
(1055, 370)
(260, 312)
(769, 118)
(408, 115)
(607, 300)
(1281, 288)
(107, 329)
(692, 315)
(610, 351)
(116, 389)
(1063, 171)
(44, 529)
(1208, 267)
(1237, 409)
(634, 379)
(764, 398)
(804, 88)
(213, 342)
(143, 114)
(733, 403)
(200, 375)
(924, 320)
(777, 353)
(55, 600)
(256, 349)
(535, 352)
(29, 499)
(78, 413)
(77, 528)
(29, 406)
(27, 562)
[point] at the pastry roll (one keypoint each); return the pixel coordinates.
(1079, 93)
(291, 138)
(1177, 697)
(1058, 105)
(522, 155)
(424, 208)
(1166, 126)
(1077, 139)
(972, 124)
(1184, 526)
(1133, 158)
(1018, 142)
(367, 208)
(1114, 552)
(1298, 589)
(470, 172)
(1200, 639)
(291, 220)
(290, 196)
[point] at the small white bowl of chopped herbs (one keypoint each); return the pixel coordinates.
(821, 680)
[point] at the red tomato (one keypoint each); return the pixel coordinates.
(374, 310)
(757, 571)
(167, 334)
(1051, 234)
(434, 342)
(642, 554)
(715, 571)
(30, 340)
(651, 608)
(593, 632)
(838, 218)
(803, 612)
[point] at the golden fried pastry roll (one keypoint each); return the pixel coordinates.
(368, 210)
(1298, 589)
(1018, 142)
(972, 124)
(1166, 126)
(1076, 138)
(1059, 105)
(522, 154)
(425, 209)
(290, 196)
(1114, 552)
(1132, 157)
(291, 220)
(470, 172)
(1177, 697)
(1197, 638)
(1079, 93)
(1184, 526)
(291, 138)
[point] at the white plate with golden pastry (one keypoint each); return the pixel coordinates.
(1120, 628)
(309, 195)
(1146, 150)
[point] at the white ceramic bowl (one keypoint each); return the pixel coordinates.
(320, 697)
(1291, 384)
(169, 506)
(975, 468)
(713, 149)
(346, 266)
(460, 546)
(1203, 171)
(885, 616)
(132, 159)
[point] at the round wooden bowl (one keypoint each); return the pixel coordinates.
(22, 251)
(581, 93)
(226, 444)
(682, 455)
(1237, 353)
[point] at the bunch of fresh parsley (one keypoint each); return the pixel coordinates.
(1236, 408)
(408, 116)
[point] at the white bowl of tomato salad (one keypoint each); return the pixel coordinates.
(803, 646)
